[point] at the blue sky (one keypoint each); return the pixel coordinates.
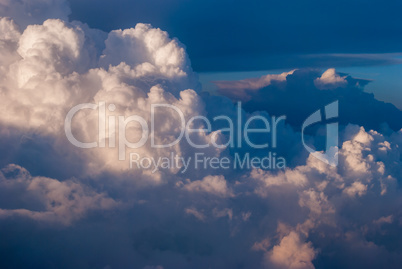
(213, 31)
(387, 81)
(266, 36)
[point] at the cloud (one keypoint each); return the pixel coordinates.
(262, 35)
(299, 93)
(292, 253)
(88, 203)
(192, 211)
(383, 220)
(47, 200)
(330, 80)
(238, 89)
(57, 68)
(10, 35)
(357, 188)
(215, 185)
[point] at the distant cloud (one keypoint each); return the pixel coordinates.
(298, 93)
(330, 80)
(237, 89)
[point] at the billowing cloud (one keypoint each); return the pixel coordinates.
(238, 89)
(47, 199)
(90, 204)
(297, 94)
(292, 253)
(330, 80)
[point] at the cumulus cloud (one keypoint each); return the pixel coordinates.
(149, 46)
(192, 211)
(10, 35)
(330, 80)
(237, 89)
(299, 93)
(215, 185)
(292, 253)
(329, 193)
(57, 68)
(305, 216)
(46, 199)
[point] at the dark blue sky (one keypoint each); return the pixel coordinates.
(260, 35)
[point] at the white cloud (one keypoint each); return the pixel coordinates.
(57, 68)
(9, 37)
(237, 89)
(47, 199)
(330, 80)
(384, 220)
(357, 188)
(215, 185)
(194, 212)
(292, 253)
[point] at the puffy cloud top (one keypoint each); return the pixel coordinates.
(330, 80)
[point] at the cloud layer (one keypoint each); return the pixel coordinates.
(65, 207)
(298, 94)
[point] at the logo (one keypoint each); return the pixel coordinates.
(330, 156)
(234, 135)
